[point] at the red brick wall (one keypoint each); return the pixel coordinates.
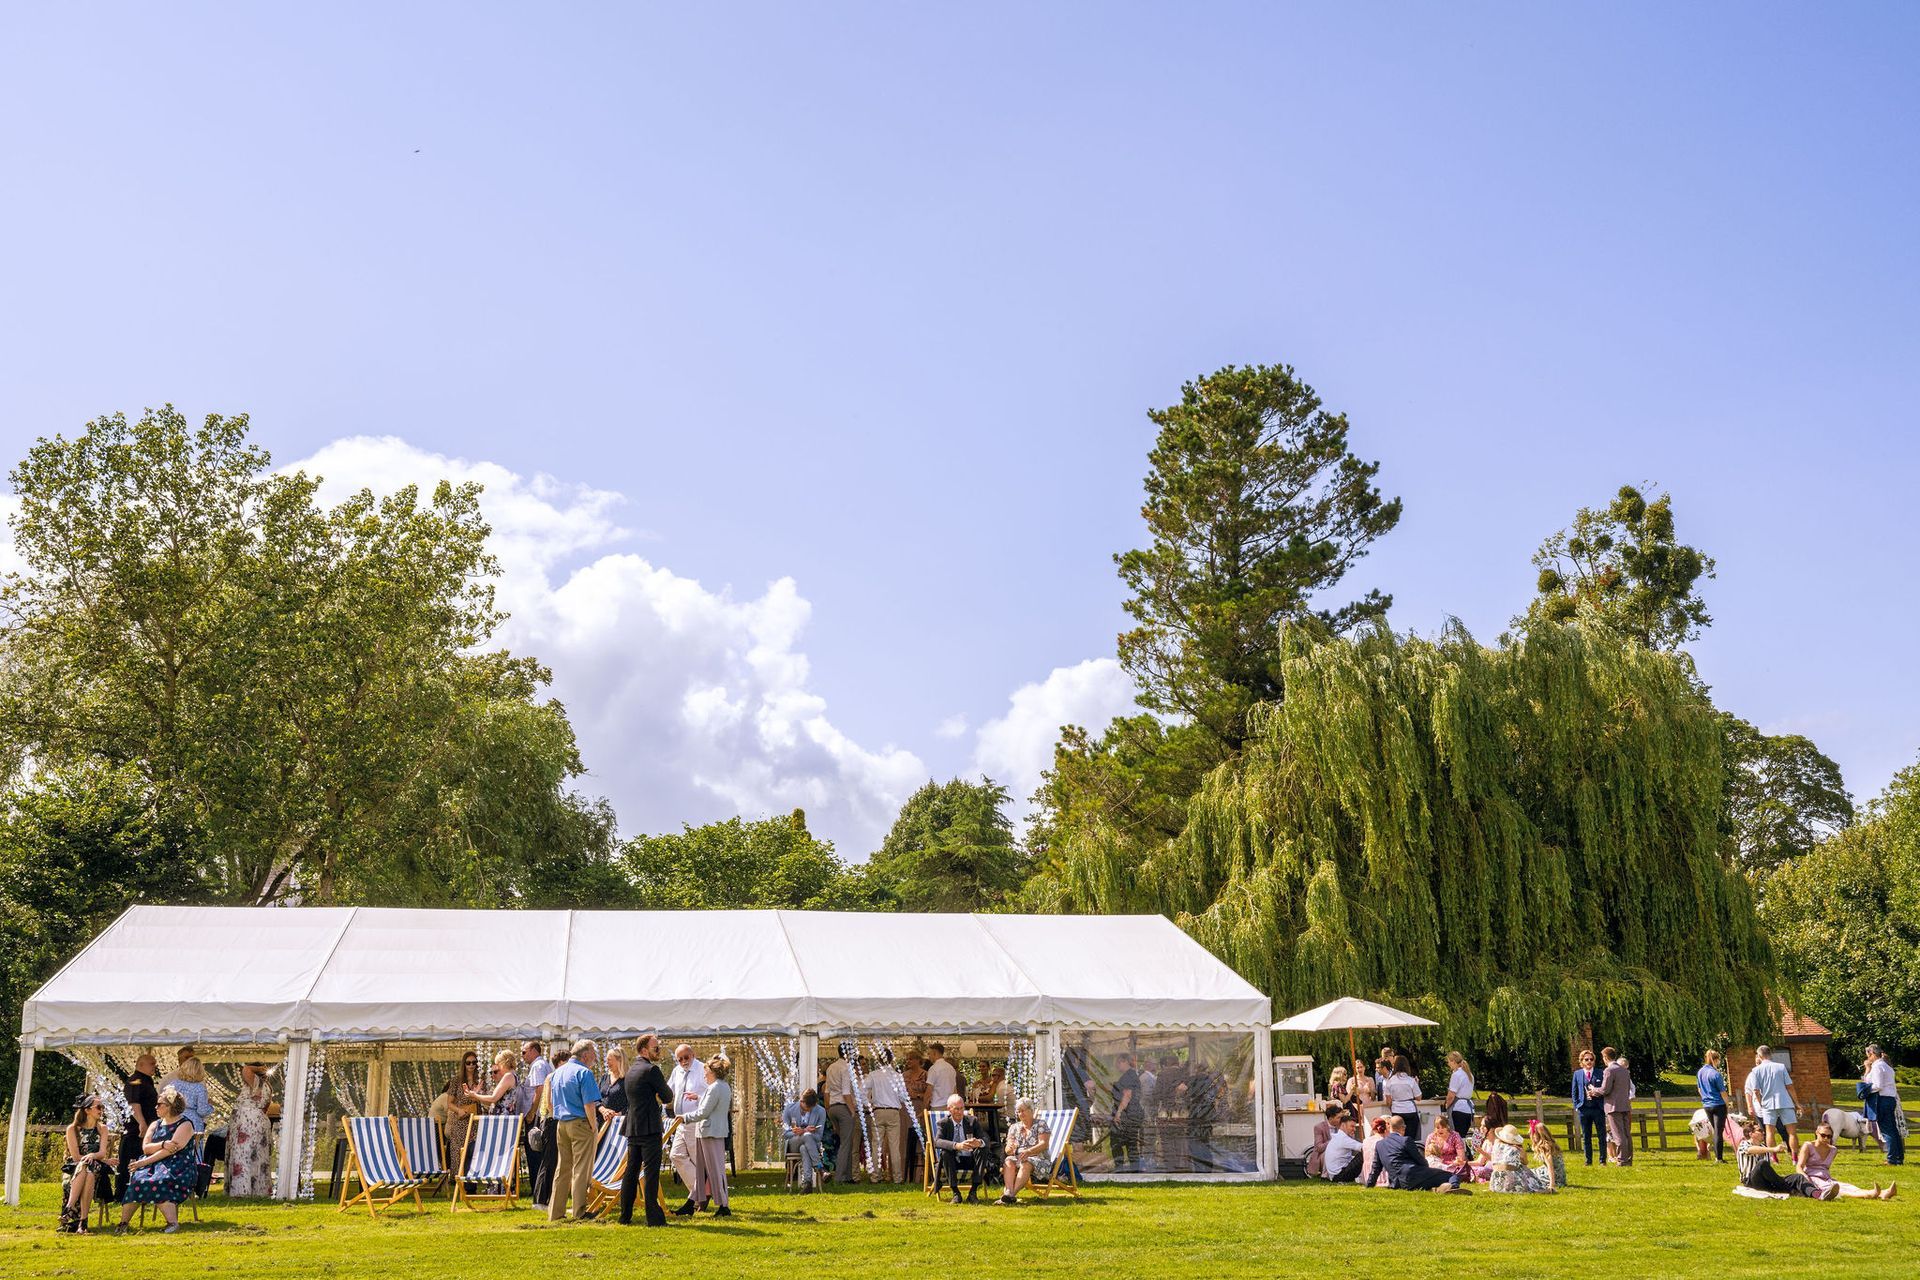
(1812, 1085)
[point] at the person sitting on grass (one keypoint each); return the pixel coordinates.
(1406, 1170)
(1027, 1143)
(956, 1136)
(1371, 1172)
(1756, 1156)
(1444, 1148)
(1547, 1152)
(1507, 1162)
(1816, 1162)
(1345, 1153)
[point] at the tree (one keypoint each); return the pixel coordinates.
(1255, 506)
(305, 689)
(76, 850)
(952, 848)
(1783, 796)
(1515, 841)
(1622, 567)
(775, 862)
(1845, 920)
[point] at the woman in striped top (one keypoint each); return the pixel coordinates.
(1757, 1172)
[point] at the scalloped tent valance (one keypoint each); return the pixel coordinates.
(261, 973)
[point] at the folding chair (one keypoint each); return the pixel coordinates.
(375, 1158)
(492, 1155)
(609, 1166)
(202, 1176)
(420, 1141)
(1060, 1170)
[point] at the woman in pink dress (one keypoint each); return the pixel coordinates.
(1816, 1161)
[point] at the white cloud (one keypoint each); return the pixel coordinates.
(1015, 748)
(689, 704)
(954, 726)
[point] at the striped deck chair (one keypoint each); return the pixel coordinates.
(420, 1140)
(609, 1166)
(375, 1158)
(929, 1158)
(1060, 1170)
(489, 1167)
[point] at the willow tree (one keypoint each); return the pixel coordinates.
(1518, 841)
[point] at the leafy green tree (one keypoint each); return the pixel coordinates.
(1516, 841)
(1845, 920)
(1255, 506)
(1622, 567)
(76, 849)
(952, 848)
(303, 688)
(775, 862)
(1783, 796)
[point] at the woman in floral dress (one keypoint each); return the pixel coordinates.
(1508, 1160)
(165, 1175)
(250, 1136)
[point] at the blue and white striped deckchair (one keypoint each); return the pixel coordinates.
(420, 1139)
(378, 1162)
(1060, 1170)
(489, 1167)
(609, 1165)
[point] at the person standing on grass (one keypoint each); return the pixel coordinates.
(143, 1107)
(1713, 1100)
(647, 1092)
(843, 1113)
(576, 1098)
(1403, 1091)
(1459, 1106)
(1616, 1099)
(710, 1125)
(1885, 1102)
(1588, 1107)
(1769, 1093)
(538, 1134)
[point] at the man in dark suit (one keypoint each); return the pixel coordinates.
(1616, 1095)
(1407, 1169)
(1586, 1105)
(956, 1137)
(646, 1092)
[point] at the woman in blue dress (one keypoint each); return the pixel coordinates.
(165, 1176)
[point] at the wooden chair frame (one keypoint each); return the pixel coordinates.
(506, 1198)
(1062, 1159)
(601, 1194)
(434, 1182)
(371, 1191)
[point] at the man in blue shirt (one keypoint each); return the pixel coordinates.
(803, 1123)
(1770, 1097)
(575, 1091)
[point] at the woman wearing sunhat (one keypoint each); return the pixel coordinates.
(1508, 1160)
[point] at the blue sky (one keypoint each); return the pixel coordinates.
(832, 328)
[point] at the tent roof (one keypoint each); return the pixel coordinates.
(255, 973)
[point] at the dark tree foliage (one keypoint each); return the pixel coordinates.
(1783, 796)
(775, 862)
(951, 849)
(1255, 506)
(1622, 568)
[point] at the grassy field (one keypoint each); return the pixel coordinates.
(1668, 1216)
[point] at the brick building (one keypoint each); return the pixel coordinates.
(1802, 1046)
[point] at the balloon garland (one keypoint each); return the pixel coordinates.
(316, 1073)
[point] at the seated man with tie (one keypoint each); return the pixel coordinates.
(956, 1136)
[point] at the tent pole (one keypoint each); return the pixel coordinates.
(808, 1066)
(1266, 1132)
(293, 1120)
(17, 1122)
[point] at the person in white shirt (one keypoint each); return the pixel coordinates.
(887, 1094)
(1885, 1103)
(1459, 1103)
(843, 1113)
(1343, 1157)
(942, 1079)
(688, 1084)
(1403, 1091)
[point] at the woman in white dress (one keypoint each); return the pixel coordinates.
(250, 1135)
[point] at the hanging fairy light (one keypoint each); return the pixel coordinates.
(783, 1081)
(316, 1072)
(883, 1062)
(862, 1105)
(1022, 1068)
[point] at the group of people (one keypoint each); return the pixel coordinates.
(895, 1095)
(164, 1152)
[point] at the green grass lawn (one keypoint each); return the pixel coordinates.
(1668, 1216)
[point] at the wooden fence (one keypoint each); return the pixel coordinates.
(1658, 1123)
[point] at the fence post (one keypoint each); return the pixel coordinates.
(1642, 1117)
(1539, 1106)
(1660, 1116)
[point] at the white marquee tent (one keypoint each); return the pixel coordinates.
(297, 976)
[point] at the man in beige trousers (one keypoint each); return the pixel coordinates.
(575, 1092)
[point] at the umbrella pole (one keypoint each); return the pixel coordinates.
(1352, 1057)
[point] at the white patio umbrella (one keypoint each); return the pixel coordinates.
(1352, 1015)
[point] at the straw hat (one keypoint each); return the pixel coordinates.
(1509, 1135)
